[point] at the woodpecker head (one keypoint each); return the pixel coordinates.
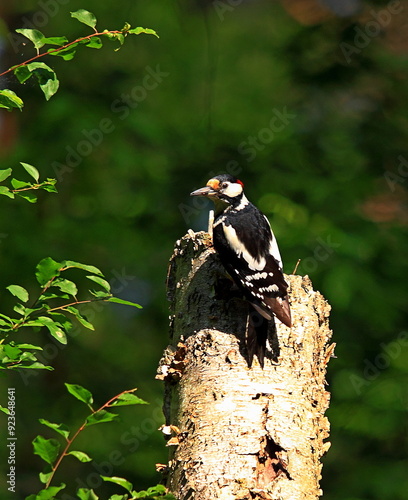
(223, 190)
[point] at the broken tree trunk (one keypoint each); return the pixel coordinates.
(237, 432)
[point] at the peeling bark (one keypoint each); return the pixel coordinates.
(237, 432)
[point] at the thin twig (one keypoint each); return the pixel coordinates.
(81, 428)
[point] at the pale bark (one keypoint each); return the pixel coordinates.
(239, 432)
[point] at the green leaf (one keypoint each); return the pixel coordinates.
(47, 449)
(34, 35)
(67, 53)
(94, 43)
(66, 286)
(60, 428)
(12, 352)
(5, 173)
(46, 474)
(37, 366)
(138, 31)
(73, 310)
(20, 184)
(32, 198)
(54, 328)
(55, 40)
(81, 456)
(128, 399)
(85, 494)
(100, 417)
(46, 76)
(22, 73)
(46, 494)
(120, 481)
(80, 393)
(5, 410)
(19, 292)
(85, 17)
(10, 100)
(29, 346)
(85, 267)
(31, 170)
(47, 269)
(124, 302)
(49, 185)
(100, 295)
(104, 284)
(6, 191)
(20, 309)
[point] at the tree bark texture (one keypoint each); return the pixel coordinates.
(237, 432)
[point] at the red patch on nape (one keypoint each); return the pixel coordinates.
(240, 182)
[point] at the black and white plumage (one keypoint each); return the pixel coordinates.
(243, 238)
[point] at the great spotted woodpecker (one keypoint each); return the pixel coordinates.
(246, 245)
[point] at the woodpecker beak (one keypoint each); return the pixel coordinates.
(205, 191)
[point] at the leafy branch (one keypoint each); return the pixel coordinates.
(49, 449)
(55, 308)
(21, 188)
(46, 76)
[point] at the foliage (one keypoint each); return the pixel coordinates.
(54, 309)
(321, 180)
(46, 76)
(49, 449)
(22, 188)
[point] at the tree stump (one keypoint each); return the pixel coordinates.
(237, 432)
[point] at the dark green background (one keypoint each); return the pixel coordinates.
(331, 175)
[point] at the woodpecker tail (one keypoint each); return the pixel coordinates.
(256, 336)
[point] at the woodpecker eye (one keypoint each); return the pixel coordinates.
(224, 185)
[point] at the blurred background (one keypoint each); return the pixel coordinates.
(306, 101)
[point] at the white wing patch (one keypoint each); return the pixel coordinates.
(239, 248)
(274, 249)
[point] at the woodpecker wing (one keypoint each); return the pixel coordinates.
(247, 247)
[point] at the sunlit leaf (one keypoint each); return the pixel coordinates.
(60, 428)
(120, 481)
(47, 269)
(85, 267)
(100, 417)
(97, 279)
(19, 184)
(73, 310)
(124, 302)
(138, 31)
(66, 286)
(54, 328)
(55, 40)
(31, 170)
(46, 76)
(19, 292)
(84, 16)
(10, 100)
(94, 43)
(4, 190)
(128, 399)
(47, 449)
(86, 494)
(5, 173)
(80, 393)
(46, 494)
(33, 35)
(81, 456)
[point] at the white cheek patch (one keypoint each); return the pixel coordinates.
(239, 248)
(233, 189)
